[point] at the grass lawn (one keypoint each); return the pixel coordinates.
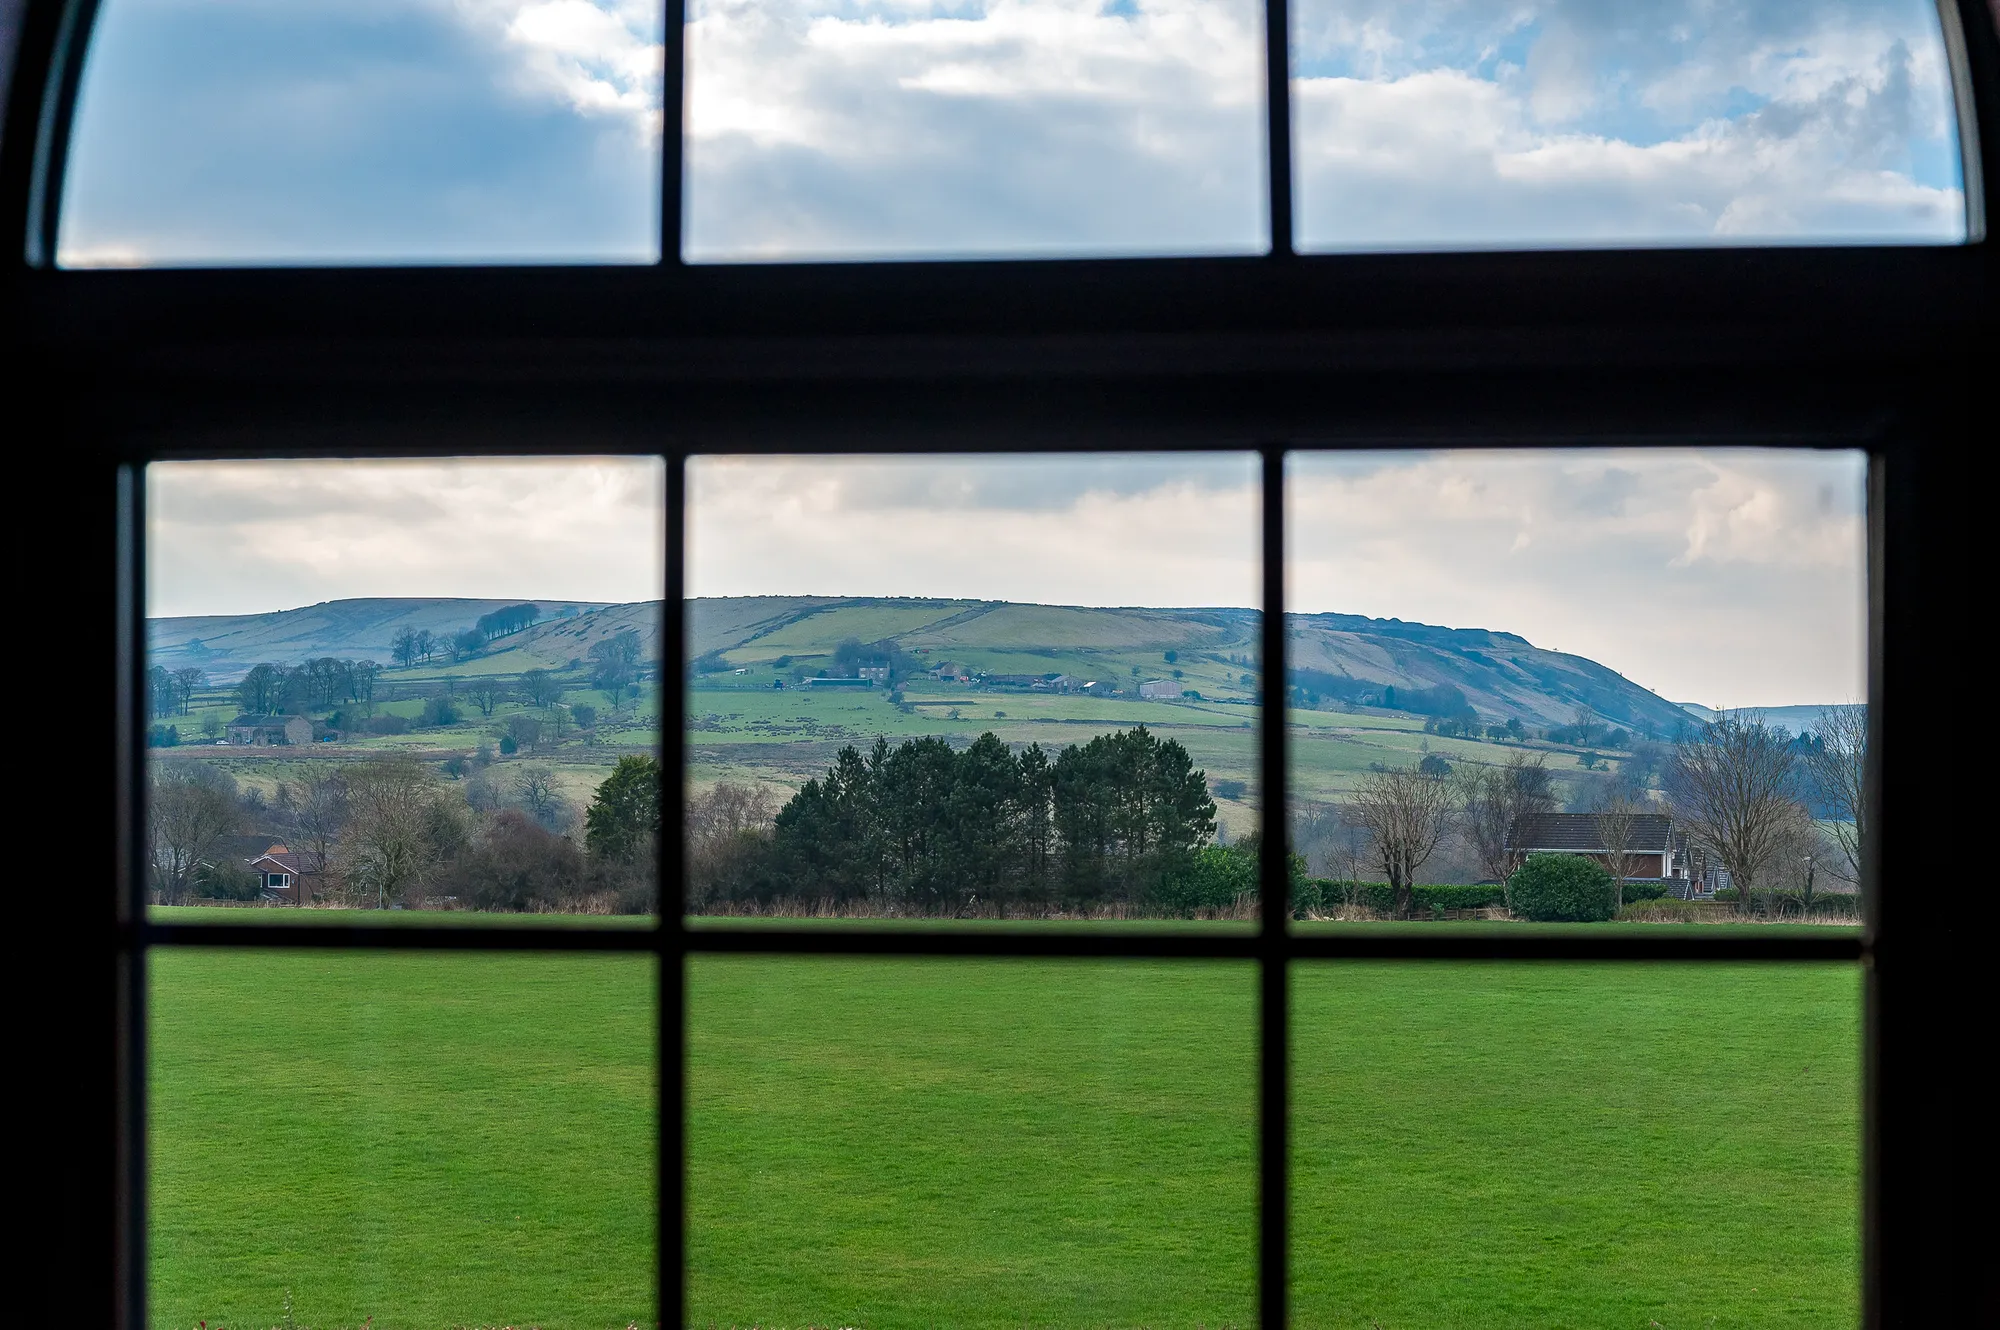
(444, 1141)
(432, 1140)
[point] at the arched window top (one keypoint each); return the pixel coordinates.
(249, 132)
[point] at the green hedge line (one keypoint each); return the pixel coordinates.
(1322, 894)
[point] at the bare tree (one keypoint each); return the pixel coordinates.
(540, 687)
(188, 812)
(1406, 812)
(1494, 799)
(317, 817)
(1617, 827)
(398, 826)
(1835, 763)
(486, 694)
(1731, 782)
(186, 680)
(539, 795)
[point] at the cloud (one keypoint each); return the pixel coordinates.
(246, 537)
(1429, 126)
(1174, 530)
(1736, 577)
(883, 128)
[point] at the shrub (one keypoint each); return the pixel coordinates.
(1661, 910)
(1212, 880)
(1321, 894)
(440, 710)
(1644, 891)
(1228, 789)
(388, 725)
(507, 745)
(163, 736)
(1562, 888)
(1729, 894)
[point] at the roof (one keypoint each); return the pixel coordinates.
(263, 722)
(279, 857)
(1578, 833)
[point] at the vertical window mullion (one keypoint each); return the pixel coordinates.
(129, 910)
(670, 1155)
(673, 107)
(1274, 893)
(1278, 122)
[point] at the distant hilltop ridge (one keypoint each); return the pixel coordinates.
(1333, 657)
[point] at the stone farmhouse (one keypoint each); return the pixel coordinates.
(268, 730)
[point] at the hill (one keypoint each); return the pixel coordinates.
(1335, 658)
(1793, 720)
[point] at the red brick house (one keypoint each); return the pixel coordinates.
(284, 878)
(1654, 851)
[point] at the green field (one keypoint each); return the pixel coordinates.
(466, 1140)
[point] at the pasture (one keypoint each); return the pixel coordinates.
(463, 1140)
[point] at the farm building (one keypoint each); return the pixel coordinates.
(1160, 688)
(250, 729)
(835, 684)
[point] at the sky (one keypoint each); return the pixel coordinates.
(1731, 578)
(249, 537)
(262, 131)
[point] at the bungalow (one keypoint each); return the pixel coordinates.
(268, 730)
(1654, 852)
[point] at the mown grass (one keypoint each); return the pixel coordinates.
(466, 1140)
(431, 1140)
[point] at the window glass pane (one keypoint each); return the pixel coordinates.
(871, 129)
(1462, 124)
(366, 131)
(420, 1138)
(970, 1143)
(429, 687)
(1575, 1144)
(976, 688)
(1637, 677)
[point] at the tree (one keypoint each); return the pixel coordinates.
(259, 692)
(1406, 812)
(189, 810)
(486, 694)
(401, 826)
(539, 795)
(540, 687)
(466, 642)
(426, 643)
(316, 817)
(524, 731)
(404, 649)
(361, 681)
(1732, 782)
(1617, 827)
(1494, 799)
(623, 821)
(614, 664)
(186, 680)
(1836, 766)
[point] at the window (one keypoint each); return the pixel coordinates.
(1323, 1047)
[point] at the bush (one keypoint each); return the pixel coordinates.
(1729, 895)
(516, 865)
(1644, 891)
(1228, 789)
(227, 880)
(1212, 880)
(163, 736)
(388, 725)
(1561, 888)
(440, 710)
(1661, 910)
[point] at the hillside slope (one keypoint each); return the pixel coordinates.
(1500, 674)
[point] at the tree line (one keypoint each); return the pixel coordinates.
(1748, 796)
(925, 828)
(393, 831)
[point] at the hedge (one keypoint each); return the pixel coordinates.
(1321, 894)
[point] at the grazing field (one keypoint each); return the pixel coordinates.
(443, 1141)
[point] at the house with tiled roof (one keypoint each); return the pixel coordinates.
(284, 876)
(1655, 851)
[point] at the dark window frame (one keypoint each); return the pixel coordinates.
(1881, 349)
